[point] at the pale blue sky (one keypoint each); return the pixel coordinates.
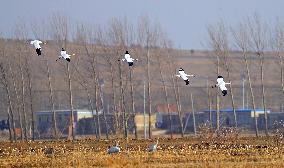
(184, 20)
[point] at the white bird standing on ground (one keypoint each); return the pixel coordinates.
(153, 147)
(36, 44)
(222, 85)
(63, 54)
(128, 58)
(114, 149)
(184, 76)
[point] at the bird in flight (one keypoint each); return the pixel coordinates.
(184, 76)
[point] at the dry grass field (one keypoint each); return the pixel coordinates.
(185, 152)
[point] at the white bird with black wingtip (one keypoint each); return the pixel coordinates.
(222, 85)
(184, 76)
(63, 54)
(36, 44)
(114, 149)
(128, 59)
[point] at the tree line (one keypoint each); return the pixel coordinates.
(98, 49)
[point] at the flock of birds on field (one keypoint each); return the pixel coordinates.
(221, 84)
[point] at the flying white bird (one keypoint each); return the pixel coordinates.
(36, 44)
(128, 58)
(153, 147)
(63, 54)
(184, 76)
(222, 85)
(114, 149)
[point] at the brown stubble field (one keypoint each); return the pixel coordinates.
(181, 152)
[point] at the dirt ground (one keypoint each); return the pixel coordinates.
(182, 152)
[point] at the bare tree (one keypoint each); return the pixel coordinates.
(121, 36)
(30, 90)
(209, 101)
(23, 100)
(219, 42)
(16, 99)
(51, 99)
(93, 43)
(85, 84)
(148, 34)
(40, 32)
(277, 44)
(241, 39)
(4, 81)
(193, 114)
(258, 34)
(132, 100)
(60, 33)
(21, 34)
(177, 93)
(165, 88)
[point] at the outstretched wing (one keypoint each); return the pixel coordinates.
(178, 75)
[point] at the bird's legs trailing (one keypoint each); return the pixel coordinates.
(57, 59)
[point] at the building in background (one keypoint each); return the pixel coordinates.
(44, 121)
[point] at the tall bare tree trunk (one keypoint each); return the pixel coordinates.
(23, 101)
(71, 102)
(9, 124)
(31, 100)
(114, 100)
(102, 103)
(17, 101)
(177, 96)
(149, 92)
(132, 101)
(252, 95)
(179, 110)
(217, 100)
(281, 74)
(263, 96)
(232, 100)
(122, 103)
(92, 110)
(98, 124)
(209, 103)
(166, 97)
(51, 99)
(180, 114)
